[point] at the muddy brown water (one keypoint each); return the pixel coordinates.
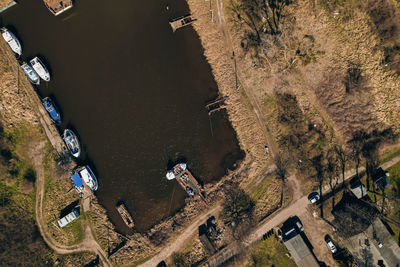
(134, 92)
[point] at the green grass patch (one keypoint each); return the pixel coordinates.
(76, 229)
(261, 189)
(388, 155)
(138, 262)
(270, 252)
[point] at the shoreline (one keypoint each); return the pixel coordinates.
(244, 125)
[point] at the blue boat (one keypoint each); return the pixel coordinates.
(52, 110)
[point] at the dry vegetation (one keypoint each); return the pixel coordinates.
(5, 3)
(26, 153)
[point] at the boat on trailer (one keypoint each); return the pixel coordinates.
(40, 69)
(12, 41)
(30, 73)
(52, 110)
(72, 142)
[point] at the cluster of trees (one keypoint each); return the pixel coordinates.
(237, 211)
(260, 16)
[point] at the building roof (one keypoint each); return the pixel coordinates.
(380, 178)
(370, 239)
(301, 254)
(359, 191)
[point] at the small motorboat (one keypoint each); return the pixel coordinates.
(40, 69)
(176, 170)
(72, 142)
(12, 41)
(31, 73)
(88, 177)
(52, 110)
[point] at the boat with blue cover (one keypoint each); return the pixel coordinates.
(72, 142)
(52, 110)
(30, 73)
(86, 175)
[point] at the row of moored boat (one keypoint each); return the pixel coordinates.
(36, 70)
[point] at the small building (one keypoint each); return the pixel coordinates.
(204, 236)
(380, 179)
(301, 254)
(73, 215)
(359, 191)
(376, 242)
(208, 246)
(292, 230)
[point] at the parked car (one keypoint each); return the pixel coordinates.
(330, 244)
(299, 226)
(313, 197)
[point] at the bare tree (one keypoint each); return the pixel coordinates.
(332, 172)
(238, 210)
(356, 144)
(342, 158)
(259, 15)
(281, 171)
(317, 163)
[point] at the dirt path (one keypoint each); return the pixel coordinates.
(88, 243)
(297, 207)
(273, 148)
(178, 243)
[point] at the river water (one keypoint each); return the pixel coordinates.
(134, 92)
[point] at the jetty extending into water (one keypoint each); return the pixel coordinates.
(6, 4)
(190, 184)
(181, 22)
(126, 217)
(58, 6)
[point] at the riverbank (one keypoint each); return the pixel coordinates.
(5, 4)
(22, 106)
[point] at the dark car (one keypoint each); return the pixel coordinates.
(313, 197)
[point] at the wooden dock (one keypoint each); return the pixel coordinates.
(186, 179)
(216, 105)
(126, 217)
(58, 6)
(181, 22)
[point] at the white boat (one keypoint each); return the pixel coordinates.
(72, 142)
(31, 73)
(12, 41)
(40, 68)
(176, 170)
(88, 177)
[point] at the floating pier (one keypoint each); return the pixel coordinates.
(181, 22)
(126, 217)
(58, 6)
